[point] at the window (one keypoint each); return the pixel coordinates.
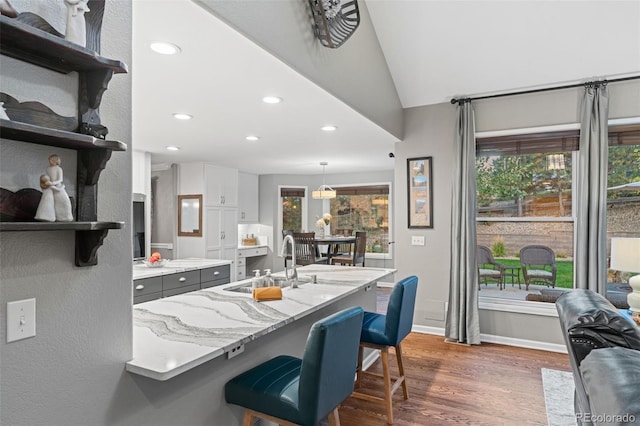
(292, 201)
(623, 198)
(525, 196)
(363, 208)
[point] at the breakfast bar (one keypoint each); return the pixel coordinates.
(176, 334)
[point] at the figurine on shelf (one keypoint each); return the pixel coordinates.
(76, 31)
(46, 211)
(3, 112)
(7, 10)
(61, 201)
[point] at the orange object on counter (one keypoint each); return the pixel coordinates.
(267, 293)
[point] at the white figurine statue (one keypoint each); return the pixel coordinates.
(46, 211)
(76, 31)
(3, 112)
(61, 202)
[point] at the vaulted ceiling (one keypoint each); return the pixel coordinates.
(435, 50)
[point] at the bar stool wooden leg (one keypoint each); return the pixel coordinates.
(401, 371)
(384, 352)
(334, 418)
(248, 418)
(359, 369)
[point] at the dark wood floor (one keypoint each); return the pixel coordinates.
(450, 383)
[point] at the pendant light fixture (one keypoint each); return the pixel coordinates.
(324, 192)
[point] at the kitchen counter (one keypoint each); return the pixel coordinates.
(240, 246)
(176, 266)
(175, 334)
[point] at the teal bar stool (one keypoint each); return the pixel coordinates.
(383, 331)
(289, 390)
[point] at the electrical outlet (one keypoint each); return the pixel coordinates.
(235, 351)
(417, 241)
(21, 319)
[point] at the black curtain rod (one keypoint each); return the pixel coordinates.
(545, 89)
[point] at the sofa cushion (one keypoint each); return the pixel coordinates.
(611, 379)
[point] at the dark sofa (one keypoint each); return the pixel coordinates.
(604, 351)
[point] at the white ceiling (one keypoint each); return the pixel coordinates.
(435, 50)
(220, 78)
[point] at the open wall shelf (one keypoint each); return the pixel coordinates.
(40, 48)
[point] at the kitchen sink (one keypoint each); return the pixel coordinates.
(245, 286)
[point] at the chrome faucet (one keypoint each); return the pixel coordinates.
(283, 253)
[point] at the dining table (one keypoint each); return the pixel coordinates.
(334, 240)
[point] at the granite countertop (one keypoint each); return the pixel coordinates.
(240, 246)
(176, 266)
(175, 334)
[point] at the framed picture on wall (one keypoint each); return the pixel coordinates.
(420, 192)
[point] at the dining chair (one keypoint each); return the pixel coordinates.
(343, 249)
(538, 265)
(381, 332)
(488, 268)
(358, 255)
(306, 249)
(289, 390)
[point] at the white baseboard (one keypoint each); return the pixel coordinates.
(501, 340)
(370, 359)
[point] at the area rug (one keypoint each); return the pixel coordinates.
(558, 397)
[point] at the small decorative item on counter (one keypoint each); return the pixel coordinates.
(268, 279)
(155, 261)
(256, 281)
(267, 293)
(249, 240)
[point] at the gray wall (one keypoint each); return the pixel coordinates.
(429, 132)
(284, 28)
(70, 372)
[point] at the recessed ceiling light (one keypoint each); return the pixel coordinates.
(271, 100)
(252, 138)
(182, 116)
(164, 48)
(329, 128)
(173, 148)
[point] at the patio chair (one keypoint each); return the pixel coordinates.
(538, 265)
(488, 268)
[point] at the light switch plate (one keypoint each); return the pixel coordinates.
(21, 319)
(417, 240)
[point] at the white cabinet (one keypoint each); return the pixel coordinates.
(248, 198)
(245, 261)
(221, 186)
(221, 231)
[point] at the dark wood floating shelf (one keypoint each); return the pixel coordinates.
(27, 43)
(89, 235)
(52, 137)
(59, 226)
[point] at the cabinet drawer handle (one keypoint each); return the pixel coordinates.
(216, 273)
(182, 279)
(140, 287)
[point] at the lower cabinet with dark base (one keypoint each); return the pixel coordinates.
(147, 289)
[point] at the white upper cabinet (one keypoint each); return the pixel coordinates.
(248, 198)
(221, 186)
